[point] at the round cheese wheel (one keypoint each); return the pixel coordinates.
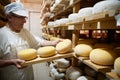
(82, 50)
(73, 16)
(64, 20)
(85, 12)
(27, 54)
(110, 6)
(64, 46)
(102, 56)
(117, 66)
(46, 51)
(51, 23)
(62, 63)
(72, 73)
(85, 78)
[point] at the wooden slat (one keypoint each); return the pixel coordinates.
(113, 75)
(96, 67)
(83, 58)
(39, 59)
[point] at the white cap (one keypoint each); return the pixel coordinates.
(16, 8)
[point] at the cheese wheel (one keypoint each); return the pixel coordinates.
(102, 56)
(85, 12)
(62, 63)
(117, 66)
(82, 50)
(72, 73)
(73, 16)
(64, 46)
(85, 78)
(46, 51)
(64, 20)
(27, 54)
(110, 6)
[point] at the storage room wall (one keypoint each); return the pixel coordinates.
(33, 25)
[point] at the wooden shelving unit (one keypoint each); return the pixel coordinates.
(100, 21)
(113, 75)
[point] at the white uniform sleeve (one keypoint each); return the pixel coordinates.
(31, 39)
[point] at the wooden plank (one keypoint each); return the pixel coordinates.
(96, 67)
(39, 59)
(83, 58)
(113, 75)
(80, 58)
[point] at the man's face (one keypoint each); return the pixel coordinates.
(17, 22)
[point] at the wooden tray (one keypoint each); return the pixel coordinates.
(39, 59)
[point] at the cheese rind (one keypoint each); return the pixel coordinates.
(102, 56)
(117, 65)
(82, 50)
(64, 46)
(27, 54)
(46, 51)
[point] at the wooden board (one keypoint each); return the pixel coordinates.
(83, 58)
(39, 59)
(96, 67)
(113, 75)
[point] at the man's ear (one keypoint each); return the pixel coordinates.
(8, 17)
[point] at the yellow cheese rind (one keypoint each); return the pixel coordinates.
(64, 46)
(102, 56)
(117, 66)
(82, 50)
(46, 51)
(27, 54)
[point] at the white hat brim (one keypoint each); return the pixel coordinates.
(21, 13)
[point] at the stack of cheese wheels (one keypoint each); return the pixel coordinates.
(46, 51)
(27, 54)
(64, 46)
(62, 63)
(110, 6)
(72, 73)
(82, 50)
(117, 66)
(103, 56)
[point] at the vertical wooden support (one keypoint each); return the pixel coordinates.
(75, 35)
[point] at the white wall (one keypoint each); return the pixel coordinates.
(41, 71)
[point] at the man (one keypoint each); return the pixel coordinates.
(13, 38)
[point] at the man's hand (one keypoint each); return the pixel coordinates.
(17, 62)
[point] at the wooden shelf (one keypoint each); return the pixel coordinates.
(39, 59)
(113, 75)
(96, 21)
(96, 67)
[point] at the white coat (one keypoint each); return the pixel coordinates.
(10, 44)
